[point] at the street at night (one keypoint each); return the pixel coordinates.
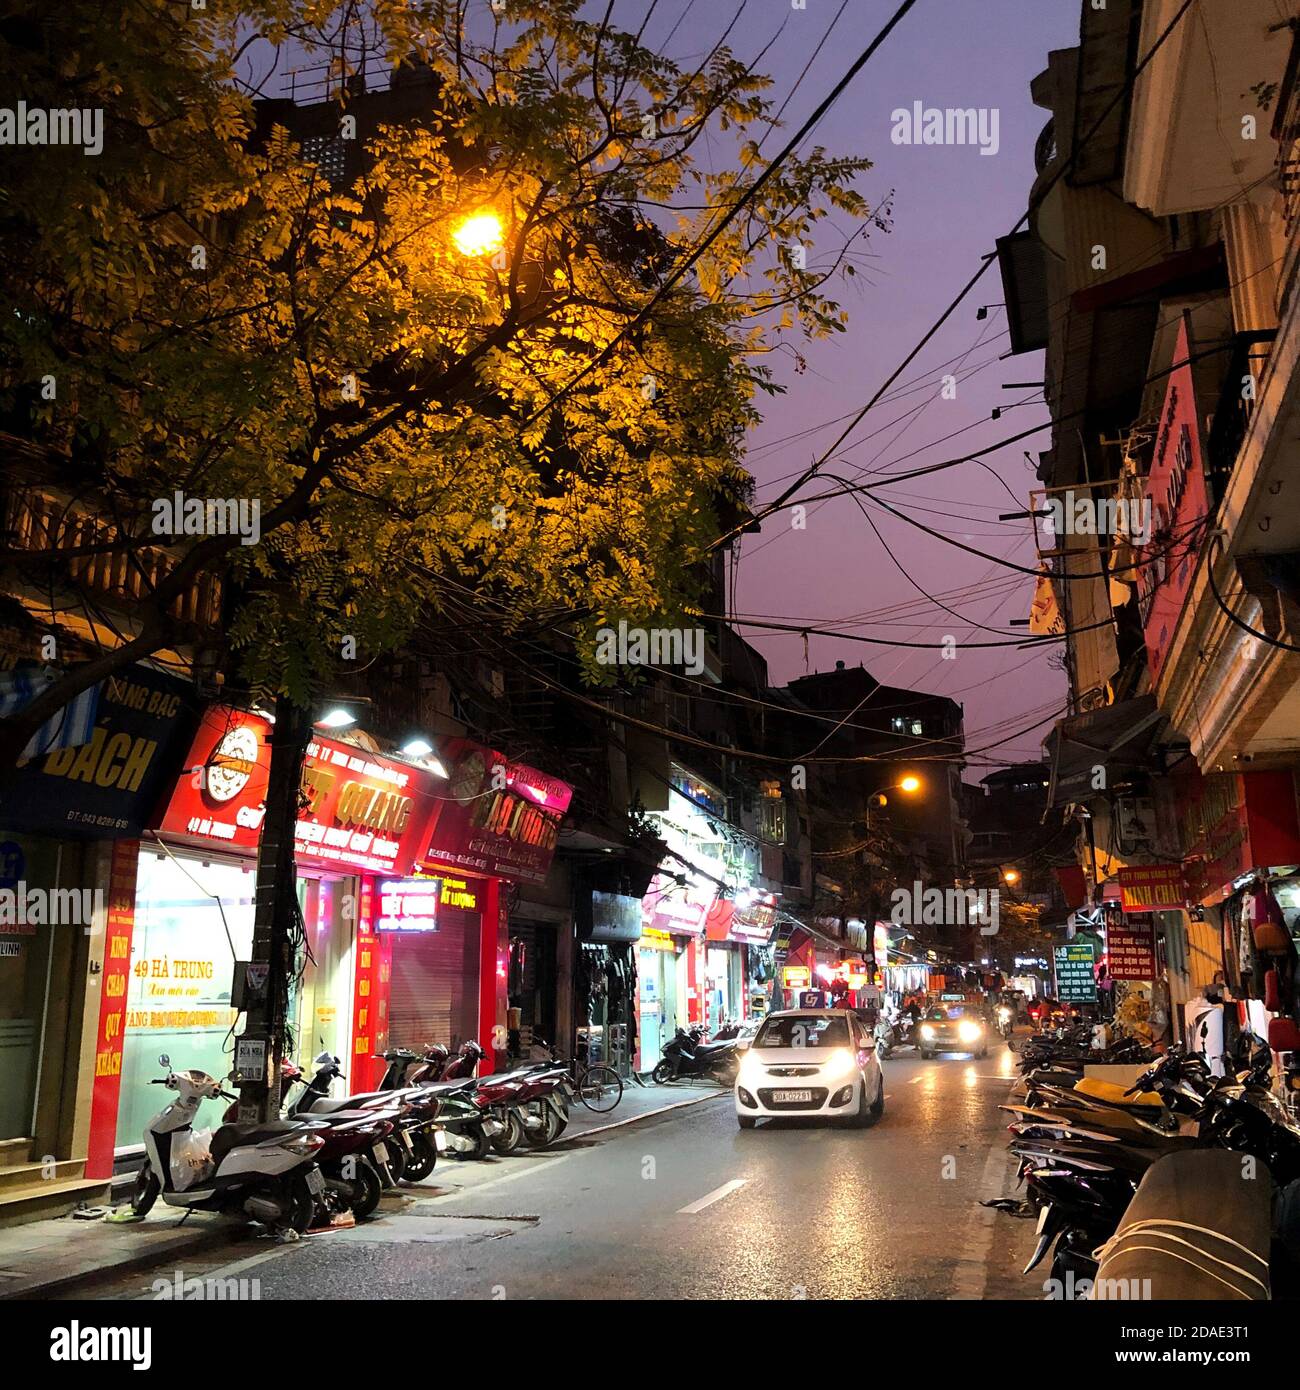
(686, 1206)
(650, 655)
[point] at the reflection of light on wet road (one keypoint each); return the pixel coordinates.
(971, 1077)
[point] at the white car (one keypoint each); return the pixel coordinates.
(810, 1062)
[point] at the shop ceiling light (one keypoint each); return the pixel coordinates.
(336, 718)
(417, 748)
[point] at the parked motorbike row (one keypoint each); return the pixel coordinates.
(1083, 1145)
(689, 1055)
(328, 1155)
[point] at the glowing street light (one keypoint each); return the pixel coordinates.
(910, 783)
(337, 718)
(1011, 875)
(480, 234)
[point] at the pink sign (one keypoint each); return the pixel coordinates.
(496, 817)
(1176, 491)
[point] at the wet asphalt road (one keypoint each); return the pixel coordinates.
(688, 1206)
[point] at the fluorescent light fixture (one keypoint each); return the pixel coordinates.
(336, 719)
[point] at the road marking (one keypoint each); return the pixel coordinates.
(709, 1198)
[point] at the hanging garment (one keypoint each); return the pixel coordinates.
(1268, 926)
(1230, 939)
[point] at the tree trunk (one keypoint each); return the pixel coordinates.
(275, 911)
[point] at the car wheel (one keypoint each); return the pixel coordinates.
(984, 1051)
(746, 1121)
(926, 1054)
(878, 1105)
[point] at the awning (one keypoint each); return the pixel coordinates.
(1118, 738)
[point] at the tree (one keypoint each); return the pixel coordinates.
(500, 359)
(547, 422)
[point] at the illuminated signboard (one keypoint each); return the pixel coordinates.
(408, 904)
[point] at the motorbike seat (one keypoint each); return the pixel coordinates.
(708, 1049)
(232, 1136)
(327, 1106)
(1116, 1094)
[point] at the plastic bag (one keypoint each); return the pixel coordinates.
(191, 1158)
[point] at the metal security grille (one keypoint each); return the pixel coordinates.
(433, 995)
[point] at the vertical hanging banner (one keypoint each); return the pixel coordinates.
(119, 925)
(1131, 947)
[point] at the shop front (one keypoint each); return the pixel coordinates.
(672, 962)
(72, 815)
(363, 820)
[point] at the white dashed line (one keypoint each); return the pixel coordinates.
(709, 1198)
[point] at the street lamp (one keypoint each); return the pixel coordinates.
(1011, 875)
(480, 234)
(910, 784)
(337, 718)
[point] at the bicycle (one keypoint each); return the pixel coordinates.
(598, 1087)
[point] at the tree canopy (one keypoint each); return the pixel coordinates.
(500, 356)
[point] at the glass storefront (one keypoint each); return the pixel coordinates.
(26, 958)
(193, 920)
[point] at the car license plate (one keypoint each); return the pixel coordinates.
(315, 1181)
(380, 1152)
(793, 1097)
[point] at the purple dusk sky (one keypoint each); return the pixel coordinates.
(949, 205)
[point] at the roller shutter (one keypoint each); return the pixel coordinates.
(433, 995)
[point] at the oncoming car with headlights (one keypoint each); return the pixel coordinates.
(810, 1062)
(954, 1028)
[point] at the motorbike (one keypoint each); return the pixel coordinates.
(1082, 1154)
(532, 1102)
(411, 1146)
(463, 1128)
(356, 1159)
(1006, 1021)
(893, 1034)
(269, 1172)
(688, 1055)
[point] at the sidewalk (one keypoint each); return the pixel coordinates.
(639, 1103)
(42, 1256)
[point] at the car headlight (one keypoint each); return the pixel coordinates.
(751, 1072)
(969, 1031)
(838, 1065)
(927, 1031)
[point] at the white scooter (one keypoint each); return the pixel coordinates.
(267, 1172)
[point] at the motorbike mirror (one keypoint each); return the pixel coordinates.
(164, 1060)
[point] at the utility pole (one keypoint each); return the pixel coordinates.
(259, 1050)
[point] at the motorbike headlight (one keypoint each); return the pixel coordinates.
(1004, 1013)
(969, 1031)
(838, 1065)
(927, 1031)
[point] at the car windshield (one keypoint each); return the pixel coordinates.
(943, 1015)
(804, 1030)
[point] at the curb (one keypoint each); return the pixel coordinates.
(648, 1115)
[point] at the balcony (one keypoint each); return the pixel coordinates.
(1247, 357)
(119, 574)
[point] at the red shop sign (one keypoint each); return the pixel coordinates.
(1147, 887)
(119, 927)
(494, 816)
(365, 811)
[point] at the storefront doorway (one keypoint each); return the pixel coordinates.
(434, 991)
(193, 920)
